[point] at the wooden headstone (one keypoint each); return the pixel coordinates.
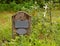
(21, 23)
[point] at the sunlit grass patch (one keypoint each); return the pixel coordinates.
(37, 27)
(6, 26)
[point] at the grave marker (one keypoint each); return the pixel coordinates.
(21, 23)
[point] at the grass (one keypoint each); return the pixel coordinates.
(6, 31)
(5, 25)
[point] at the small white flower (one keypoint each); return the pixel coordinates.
(35, 2)
(45, 6)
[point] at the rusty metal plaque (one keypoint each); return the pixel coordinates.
(21, 24)
(21, 31)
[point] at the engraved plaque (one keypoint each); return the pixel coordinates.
(21, 31)
(21, 24)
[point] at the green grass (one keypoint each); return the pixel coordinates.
(52, 40)
(5, 25)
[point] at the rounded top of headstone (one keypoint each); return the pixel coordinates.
(22, 12)
(20, 15)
